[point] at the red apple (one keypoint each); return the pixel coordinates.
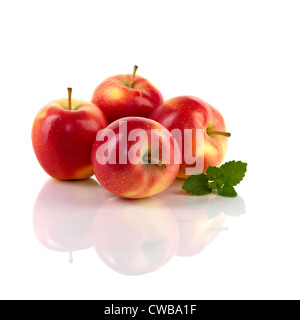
(64, 212)
(193, 113)
(133, 169)
(63, 134)
(125, 96)
(135, 238)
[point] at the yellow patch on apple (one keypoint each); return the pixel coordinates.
(209, 149)
(84, 173)
(115, 93)
(42, 115)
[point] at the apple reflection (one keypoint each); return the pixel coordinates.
(200, 218)
(135, 237)
(132, 237)
(64, 212)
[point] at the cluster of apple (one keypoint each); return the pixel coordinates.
(65, 141)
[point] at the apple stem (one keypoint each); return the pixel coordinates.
(133, 76)
(148, 160)
(71, 258)
(162, 165)
(218, 133)
(70, 98)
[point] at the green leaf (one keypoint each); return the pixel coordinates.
(213, 173)
(213, 185)
(227, 191)
(233, 172)
(221, 179)
(197, 185)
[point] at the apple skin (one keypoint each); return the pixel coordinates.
(117, 100)
(62, 139)
(64, 212)
(135, 180)
(137, 237)
(189, 112)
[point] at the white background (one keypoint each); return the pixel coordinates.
(243, 57)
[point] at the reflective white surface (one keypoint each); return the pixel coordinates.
(74, 240)
(132, 237)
